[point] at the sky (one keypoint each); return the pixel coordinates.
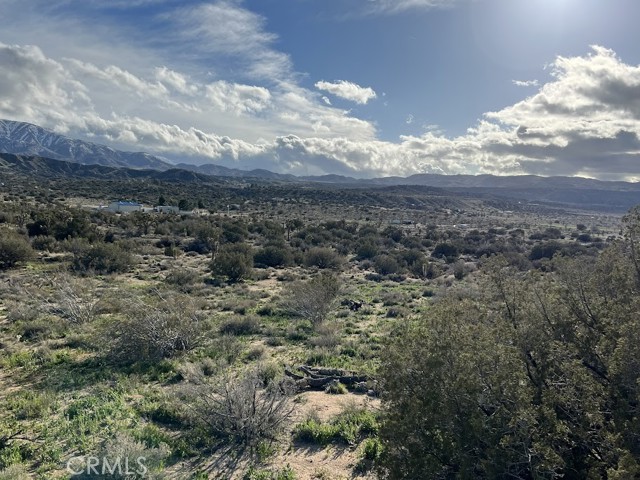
(364, 88)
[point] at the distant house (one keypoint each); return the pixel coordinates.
(124, 207)
(167, 209)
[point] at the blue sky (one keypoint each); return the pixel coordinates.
(356, 87)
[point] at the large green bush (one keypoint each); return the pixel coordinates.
(14, 249)
(323, 258)
(233, 261)
(386, 264)
(445, 250)
(539, 378)
(62, 224)
(273, 256)
(102, 258)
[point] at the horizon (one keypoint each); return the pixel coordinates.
(510, 88)
(185, 166)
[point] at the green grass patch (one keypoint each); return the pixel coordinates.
(348, 428)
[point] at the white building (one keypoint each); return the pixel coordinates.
(167, 209)
(124, 207)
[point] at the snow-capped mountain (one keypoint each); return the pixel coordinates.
(27, 139)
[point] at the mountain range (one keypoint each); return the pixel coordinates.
(32, 144)
(27, 139)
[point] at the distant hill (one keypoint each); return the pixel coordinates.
(42, 167)
(514, 181)
(220, 171)
(573, 192)
(34, 145)
(26, 139)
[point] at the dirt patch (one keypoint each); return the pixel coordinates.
(326, 406)
(311, 462)
(315, 463)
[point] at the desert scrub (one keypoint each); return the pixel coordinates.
(102, 258)
(14, 249)
(151, 331)
(182, 279)
(372, 448)
(285, 473)
(20, 358)
(29, 405)
(313, 299)
(241, 409)
(14, 472)
(323, 258)
(74, 300)
(337, 388)
(371, 452)
(245, 325)
(273, 256)
(348, 428)
(233, 261)
(130, 459)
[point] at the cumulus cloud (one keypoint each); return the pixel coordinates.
(171, 138)
(119, 78)
(36, 87)
(587, 91)
(348, 90)
(175, 80)
(64, 95)
(584, 121)
(237, 98)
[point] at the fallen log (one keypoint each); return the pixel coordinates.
(317, 378)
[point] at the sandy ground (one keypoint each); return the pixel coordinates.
(309, 462)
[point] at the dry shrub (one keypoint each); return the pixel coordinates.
(313, 299)
(182, 279)
(240, 409)
(74, 300)
(14, 472)
(151, 331)
(14, 249)
(328, 337)
(247, 325)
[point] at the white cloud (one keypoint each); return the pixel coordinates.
(409, 119)
(226, 29)
(63, 95)
(398, 6)
(175, 80)
(36, 87)
(526, 83)
(348, 91)
(120, 79)
(299, 107)
(585, 121)
(238, 99)
(110, 69)
(164, 138)
(594, 96)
